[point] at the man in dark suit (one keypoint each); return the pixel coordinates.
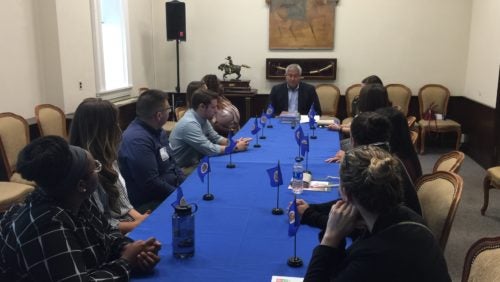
(294, 95)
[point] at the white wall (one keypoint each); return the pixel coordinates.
(142, 44)
(484, 52)
(403, 41)
(47, 51)
(19, 75)
(76, 51)
(46, 46)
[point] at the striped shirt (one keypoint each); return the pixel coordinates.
(123, 203)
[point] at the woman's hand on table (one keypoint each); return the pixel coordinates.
(337, 158)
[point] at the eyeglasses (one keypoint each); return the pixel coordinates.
(168, 110)
(98, 166)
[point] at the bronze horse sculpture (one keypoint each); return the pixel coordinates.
(230, 68)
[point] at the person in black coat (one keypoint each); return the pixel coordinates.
(294, 95)
(396, 244)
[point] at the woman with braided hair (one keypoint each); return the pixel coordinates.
(59, 234)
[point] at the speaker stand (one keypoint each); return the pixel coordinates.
(178, 87)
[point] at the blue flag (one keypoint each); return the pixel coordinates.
(230, 143)
(311, 115)
(299, 134)
(304, 145)
(204, 168)
(270, 111)
(293, 219)
(180, 198)
(275, 176)
(255, 127)
(263, 119)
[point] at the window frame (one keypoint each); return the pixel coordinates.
(99, 67)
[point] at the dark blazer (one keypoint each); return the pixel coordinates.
(399, 248)
(307, 95)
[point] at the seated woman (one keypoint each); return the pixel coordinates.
(400, 142)
(227, 117)
(372, 79)
(95, 128)
(58, 233)
(396, 246)
(371, 98)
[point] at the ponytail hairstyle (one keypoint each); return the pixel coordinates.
(370, 175)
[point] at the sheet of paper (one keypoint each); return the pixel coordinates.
(305, 118)
(318, 186)
(325, 121)
(286, 279)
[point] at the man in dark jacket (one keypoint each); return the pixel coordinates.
(294, 95)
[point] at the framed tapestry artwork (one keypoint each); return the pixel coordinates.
(301, 24)
(312, 69)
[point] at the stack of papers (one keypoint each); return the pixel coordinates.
(286, 117)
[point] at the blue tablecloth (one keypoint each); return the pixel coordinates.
(237, 237)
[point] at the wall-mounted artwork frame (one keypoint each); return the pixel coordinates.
(301, 24)
(312, 69)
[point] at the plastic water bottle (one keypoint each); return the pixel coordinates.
(297, 182)
(183, 231)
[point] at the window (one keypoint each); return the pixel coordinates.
(111, 48)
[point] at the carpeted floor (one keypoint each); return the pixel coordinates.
(469, 226)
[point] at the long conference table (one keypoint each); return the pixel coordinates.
(237, 238)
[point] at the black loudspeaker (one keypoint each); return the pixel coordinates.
(176, 20)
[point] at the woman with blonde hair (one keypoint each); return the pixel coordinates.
(396, 245)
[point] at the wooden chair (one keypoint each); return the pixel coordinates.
(481, 261)
(350, 93)
(439, 194)
(13, 137)
(414, 138)
(51, 120)
(169, 126)
(329, 96)
(13, 193)
(437, 95)
(411, 121)
(179, 112)
(400, 96)
(491, 181)
(449, 162)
